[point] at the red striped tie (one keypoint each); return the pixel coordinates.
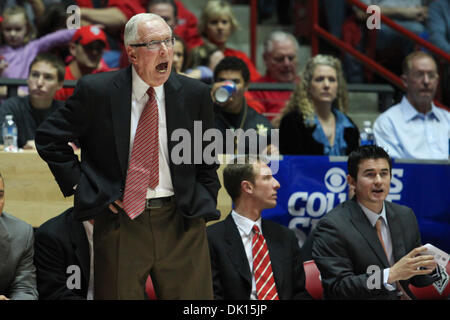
(262, 269)
(143, 170)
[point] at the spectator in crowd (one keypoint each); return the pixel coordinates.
(202, 62)
(391, 45)
(239, 272)
(184, 25)
(63, 254)
(46, 76)
(138, 220)
(368, 232)
(235, 113)
(217, 24)
(33, 8)
(415, 128)
(314, 121)
(19, 48)
(281, 51)
(438, 25)
(17, 271)
(111, 16)
(179, 55)
(86, 49)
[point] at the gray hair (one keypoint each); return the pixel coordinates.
(280, 36)
(130, 34)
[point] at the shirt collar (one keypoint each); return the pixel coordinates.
(372, 216)
(409, 112)
(244, 223)
(140, 87)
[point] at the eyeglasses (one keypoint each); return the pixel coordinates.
(280, 59)
(156, 45)
(421, 75)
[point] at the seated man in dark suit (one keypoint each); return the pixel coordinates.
(17, 271)
(235, 245)
(369, 248)
(63, 258)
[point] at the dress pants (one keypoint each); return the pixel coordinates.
(160, 242)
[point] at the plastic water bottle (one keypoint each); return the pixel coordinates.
(367, 137)
(9, 133)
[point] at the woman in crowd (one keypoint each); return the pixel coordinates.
(217, 23)
(313, 122)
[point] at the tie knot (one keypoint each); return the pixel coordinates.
(378, 223)
(150, 92)
(256, 229)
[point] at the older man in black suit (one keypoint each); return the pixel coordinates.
(369, 248)
(128, 166)
(234, 246)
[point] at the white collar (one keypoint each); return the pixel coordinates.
(373, 216)
(244, 223)
(140, 87)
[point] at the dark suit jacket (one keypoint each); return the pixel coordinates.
(98, 116)
(230, 267)
(17, 271)
(59, 243)
(296, 138)
(345, 245)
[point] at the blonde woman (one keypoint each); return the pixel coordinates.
(314, 121)
(216, 24)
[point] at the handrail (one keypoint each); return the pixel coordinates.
(370, 63)
(406, 32)
(253, 86)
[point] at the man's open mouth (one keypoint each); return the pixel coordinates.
(162, 67)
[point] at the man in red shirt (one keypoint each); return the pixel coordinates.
(280, 55)
(86, 48)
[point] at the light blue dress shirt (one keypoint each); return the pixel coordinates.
(406, 133)
(340, 145)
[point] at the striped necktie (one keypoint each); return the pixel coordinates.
(262, 268)
(143, 170)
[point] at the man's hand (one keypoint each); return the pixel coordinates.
(113, 208)
(30, 145)
(410, 265)
(2, 297)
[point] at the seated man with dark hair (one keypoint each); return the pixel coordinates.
(366, 247)
(235, 113)
(46, 76)
(63, 258)
(254, 258)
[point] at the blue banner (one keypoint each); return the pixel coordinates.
(312, 185)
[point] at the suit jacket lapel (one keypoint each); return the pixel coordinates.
(236, 250)
(174, 107)
(395, 228)
(275, 248)
(367, 231)
(121, 116)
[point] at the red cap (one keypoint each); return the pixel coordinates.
(88, 34)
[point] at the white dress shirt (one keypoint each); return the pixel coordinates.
(406, 133)
(139, 98)
(245, 226)
(386, 235)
